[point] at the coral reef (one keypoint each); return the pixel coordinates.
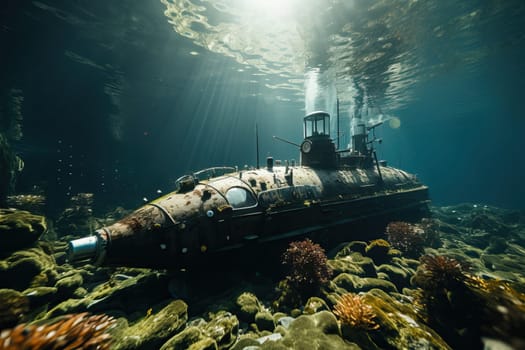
(353, 311)
(456, 296)
(78, 331)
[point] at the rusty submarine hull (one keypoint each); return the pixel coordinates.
(217, 211)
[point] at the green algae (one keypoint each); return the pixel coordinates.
(152, 331)
(19, 229)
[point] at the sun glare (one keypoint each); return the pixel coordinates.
(268, 8)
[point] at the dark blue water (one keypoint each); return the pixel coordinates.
(121, 98)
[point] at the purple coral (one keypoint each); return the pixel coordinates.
(408, 238)
(308, 265)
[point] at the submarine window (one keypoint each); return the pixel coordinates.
(320, 127)
(308, 129)
(239, 197)
(316, 124)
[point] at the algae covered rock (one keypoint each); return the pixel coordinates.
(352, 247)
(13, 306)
(353, 263)
(129, 293)
(19, 229)
(121, 294)
(264, 321)
(320, 329)
(314, 305)
(358, 284)
(40, 295)
(28, 268)
(219, 333)
(399, 325)
(67, 285)
(378, 250)
(183, 340)
(397, 275)
(69, 306)
(248, 306)
(316, 331)
(154, 330)
(223, 328)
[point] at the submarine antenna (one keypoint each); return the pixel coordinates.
(286, 141)
(338, 123)
(373, 150)
(257, 143)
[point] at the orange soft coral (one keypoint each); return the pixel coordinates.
(76, 331)
(354, 312)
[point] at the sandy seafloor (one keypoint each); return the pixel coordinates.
(463, 288)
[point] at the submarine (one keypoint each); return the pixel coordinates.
(330, 196)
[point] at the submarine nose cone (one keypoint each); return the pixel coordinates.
(87, 248)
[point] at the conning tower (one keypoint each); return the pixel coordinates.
(317, 149)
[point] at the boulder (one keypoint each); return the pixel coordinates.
(19, 229)
(154, 330)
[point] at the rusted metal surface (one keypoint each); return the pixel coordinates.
(218, 209)
(287, 200)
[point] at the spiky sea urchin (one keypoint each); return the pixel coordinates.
(439, 271)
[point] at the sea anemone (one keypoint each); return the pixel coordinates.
(440, 272)
(308, 265)
(354, 312)
(75, 331)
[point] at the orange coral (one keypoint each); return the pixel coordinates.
(75, 331)
(353, 311)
